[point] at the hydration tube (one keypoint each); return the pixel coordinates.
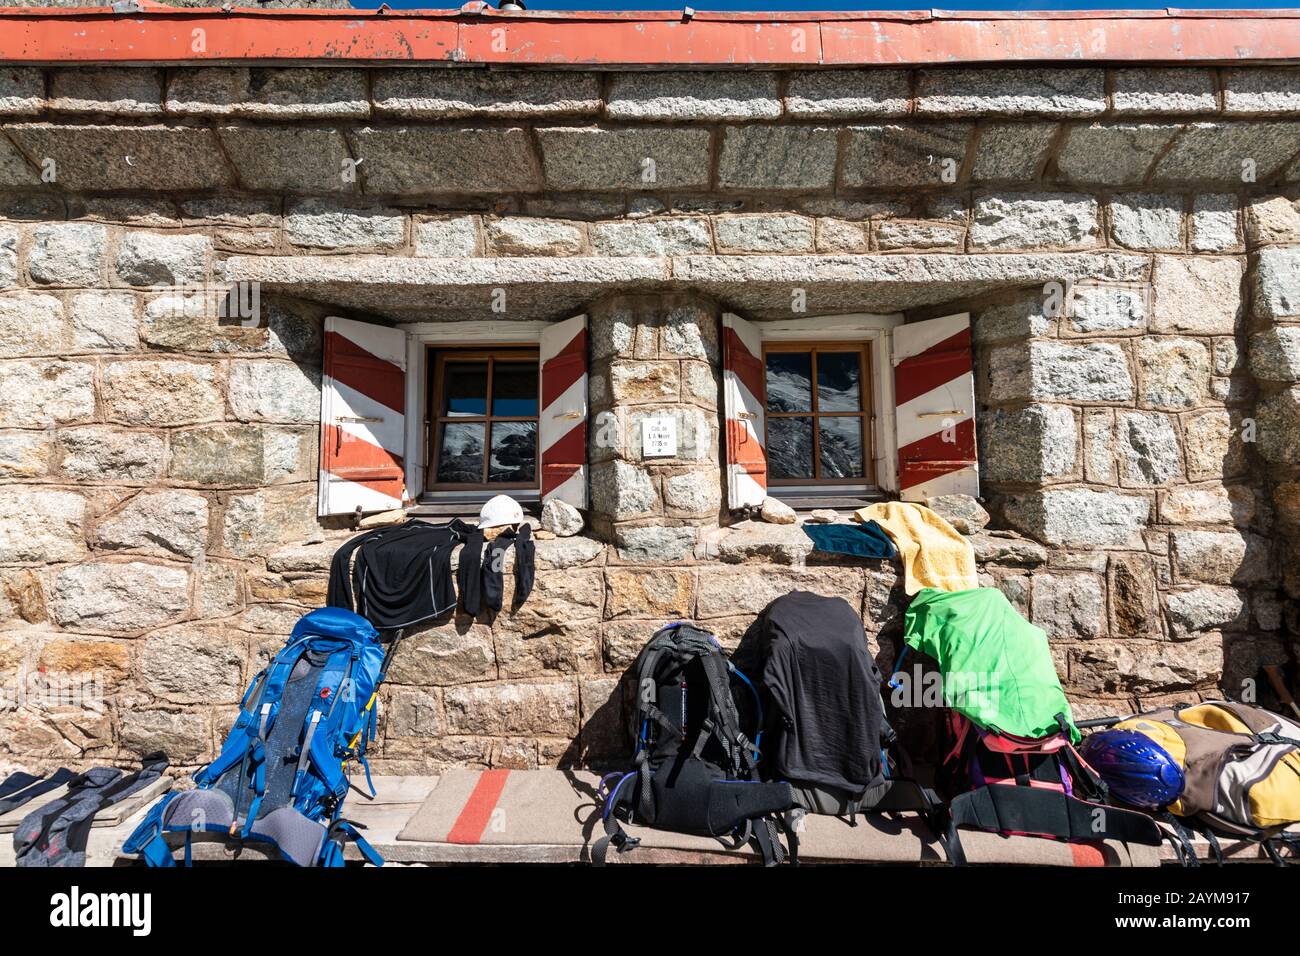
(613, 797)
(898, 666)
(602, 793)
(758, 703)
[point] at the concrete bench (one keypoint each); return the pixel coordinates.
(551, 816)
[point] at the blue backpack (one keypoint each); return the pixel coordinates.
(282, 774)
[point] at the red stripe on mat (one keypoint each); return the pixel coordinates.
(1087, 854)
(476, 813)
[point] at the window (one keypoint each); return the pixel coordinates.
(818, 413)
(482, 419)
(488, 407)
(825, 411)
(444, 415)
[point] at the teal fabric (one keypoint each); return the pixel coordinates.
(867, 540)
(996, 667)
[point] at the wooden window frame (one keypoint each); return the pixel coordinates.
(436, 359)
(867, 414)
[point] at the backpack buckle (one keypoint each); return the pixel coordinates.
(624, 843)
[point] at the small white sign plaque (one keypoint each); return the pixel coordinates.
(659, 437)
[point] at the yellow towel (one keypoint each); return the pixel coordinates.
(934, 554)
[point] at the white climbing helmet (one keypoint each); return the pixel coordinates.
(500, 510)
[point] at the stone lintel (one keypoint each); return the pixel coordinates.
(759, 286)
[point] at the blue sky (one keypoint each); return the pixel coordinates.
(848, 5)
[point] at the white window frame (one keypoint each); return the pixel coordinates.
(877, 330)
(421, 335)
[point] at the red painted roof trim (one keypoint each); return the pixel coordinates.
(478, 35)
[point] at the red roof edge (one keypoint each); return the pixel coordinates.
(480, 35)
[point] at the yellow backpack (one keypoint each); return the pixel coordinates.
(1241, 764)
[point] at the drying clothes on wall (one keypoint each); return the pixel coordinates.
(481, 577)
(395, 577)
(997, 668)
(934, 554)
(36, 787)
(867, 540)
(55, 835)
(399, 576)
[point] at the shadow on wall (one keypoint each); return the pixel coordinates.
(1174, 600)
(1181, 601)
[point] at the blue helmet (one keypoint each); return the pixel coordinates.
(1135, 768)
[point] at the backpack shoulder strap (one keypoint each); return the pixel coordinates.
(743, 750)
(1282, 841)
(253, 721)
(1082, 776)
(341, 833)
(647, 707)
(765, 833)
(147, 838)
(1044, 812)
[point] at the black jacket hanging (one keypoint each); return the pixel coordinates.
(398, 576)
(401, 575)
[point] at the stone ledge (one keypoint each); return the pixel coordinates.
(434, 160)
(746, 542)
(1007, 547)
(445, 92)
(542, 287)
(756, 540)
(502, 94)
(761, 285)
(411, 289)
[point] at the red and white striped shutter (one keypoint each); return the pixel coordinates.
(934, 407)
(362, 422)
(563, 426)
(742, 404)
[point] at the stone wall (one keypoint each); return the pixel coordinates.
(157, 462)
(1273, 356)
(657, 356)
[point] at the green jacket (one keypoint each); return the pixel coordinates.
(996, 667)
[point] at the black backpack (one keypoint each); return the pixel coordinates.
(824, 726)
(695, 768)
